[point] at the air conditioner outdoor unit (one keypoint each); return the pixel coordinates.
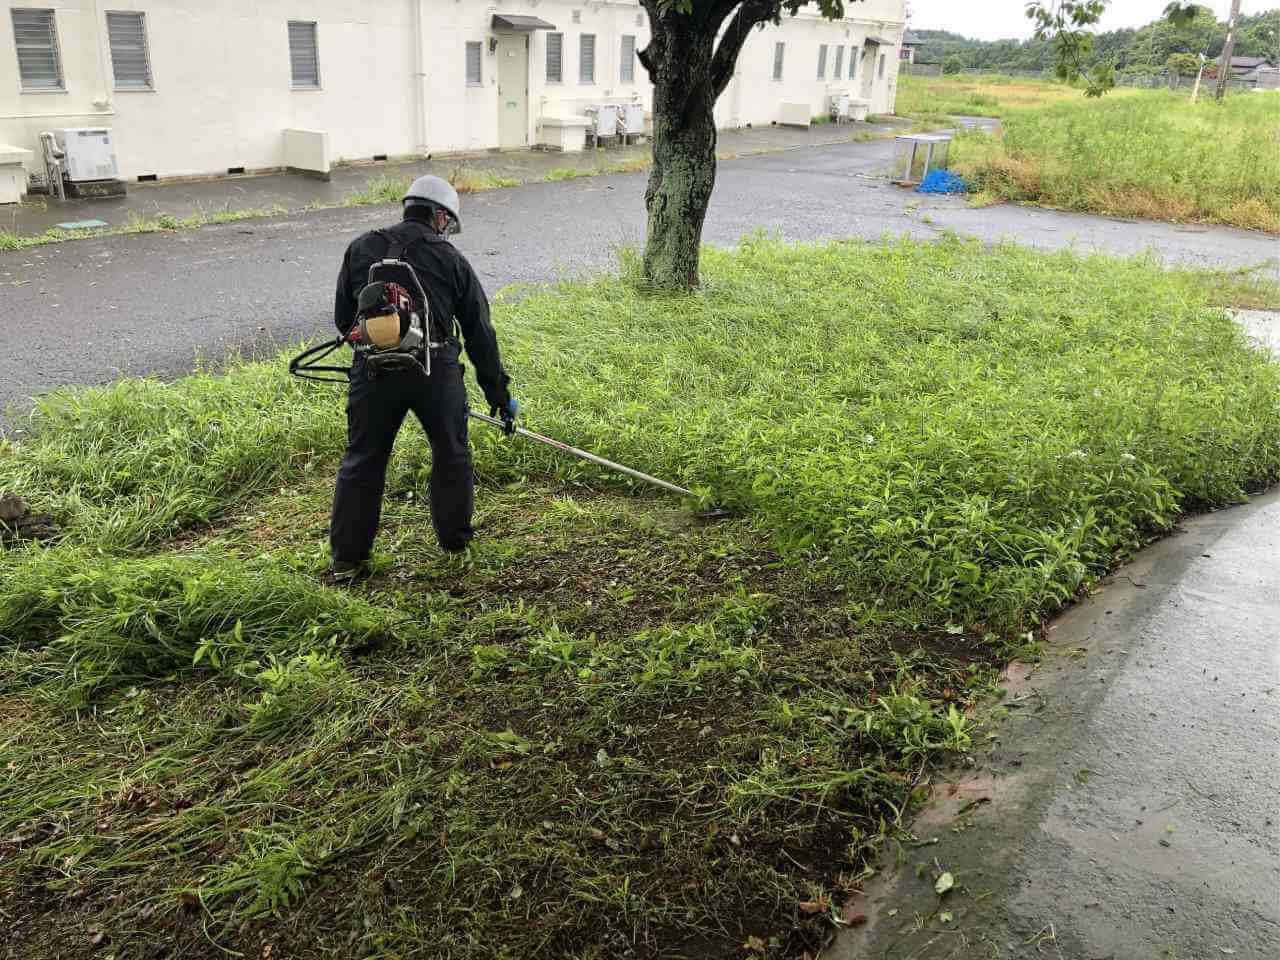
(90, 153)
(632, 119)
(794, 114)
(840, 106)
(605, 116)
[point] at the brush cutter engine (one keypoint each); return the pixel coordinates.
(388, 332)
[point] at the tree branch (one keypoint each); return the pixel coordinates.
(750, 14)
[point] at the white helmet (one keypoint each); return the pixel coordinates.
(435, 192)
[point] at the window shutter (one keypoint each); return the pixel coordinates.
(304, 60)
(127, 34)
(778, 50)
(475, 52)
(587, 58)
(835, 74)
(628, 58)
(35, 35)
(555, 57)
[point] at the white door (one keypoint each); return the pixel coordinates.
(513, 90)
(867, 67)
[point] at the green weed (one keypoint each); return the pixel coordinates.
(567, 173)
(1151, 155)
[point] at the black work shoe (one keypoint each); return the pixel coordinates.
(345, 572)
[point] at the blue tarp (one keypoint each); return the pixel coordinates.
(943, 181)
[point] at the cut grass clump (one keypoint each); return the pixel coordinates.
(96, 624)
(640, 737)
(1152, 155)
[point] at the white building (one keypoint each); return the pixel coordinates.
(201, 87)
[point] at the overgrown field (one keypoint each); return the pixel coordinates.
(606, 731)
(1150, 154)
(988, 95)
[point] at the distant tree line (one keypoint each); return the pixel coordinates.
(1146, 50)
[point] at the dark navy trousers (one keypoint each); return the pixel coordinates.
(376, 407)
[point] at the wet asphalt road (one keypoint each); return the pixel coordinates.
(92, 311)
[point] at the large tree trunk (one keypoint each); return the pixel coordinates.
(684, 152)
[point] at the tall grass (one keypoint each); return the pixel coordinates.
(966, 434)
(1152, 154)
(138, 461)
(977, 95)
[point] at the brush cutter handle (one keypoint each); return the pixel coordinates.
(305, 368)
(584, 455)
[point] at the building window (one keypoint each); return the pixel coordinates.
(475, 53)
(779, 49)
(853, 62)
(883, 57)
(36, 38)
(304, 58)
(127, 37)
(555, 58)
(822, 62)
(587, 58)
(835, 74)
(627, 73)
(577, 16)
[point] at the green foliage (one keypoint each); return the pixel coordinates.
(1183, 64)
(1132, 51)
(1064, 24)
(131, 463)
(99, 623)
(269, 871)
(1151, 154)
(961, 431)
(295, 689)
(970, 435)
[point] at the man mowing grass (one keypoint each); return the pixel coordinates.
(403, 295)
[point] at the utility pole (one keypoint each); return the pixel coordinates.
(1224, 70)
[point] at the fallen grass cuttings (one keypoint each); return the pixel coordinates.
(632, 737)
(1153, 155)
(91, 624)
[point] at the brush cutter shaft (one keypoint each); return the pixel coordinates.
(584, 455)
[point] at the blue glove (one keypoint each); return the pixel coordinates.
(507, 414)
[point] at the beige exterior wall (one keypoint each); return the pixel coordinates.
(392, 76)
(754, 95)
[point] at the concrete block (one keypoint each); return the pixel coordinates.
(13, 173)
(94, 189)
(307, 152)
(794, 114)
(564, 134)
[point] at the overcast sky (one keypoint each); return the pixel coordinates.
(998, 19)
